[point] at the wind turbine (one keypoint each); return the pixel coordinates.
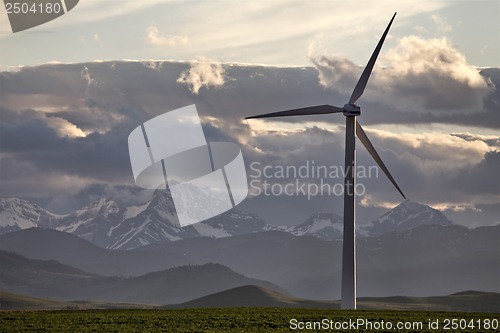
(353, 129)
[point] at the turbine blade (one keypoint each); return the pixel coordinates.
(368, 145)
(319, 109)
(360, 86)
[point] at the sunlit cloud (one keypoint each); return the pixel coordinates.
(441, 23)
(154, 37)
(87, 77)
(203, 74)
(64, 128)
(455, 207)
(368, 200)
(419, 75)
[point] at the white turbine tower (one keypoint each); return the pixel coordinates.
(353, 129)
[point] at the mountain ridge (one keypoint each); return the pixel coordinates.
(108, 225)
(254, 296)
(49, 278)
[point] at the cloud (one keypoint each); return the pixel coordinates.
(44, 154)
(154, 37)
(65, 128)
(456, 207)
(490, 140)
(203, 73)
(337, 73)
(442, 24)
(437, 69)
(87, 77)
(420, 75)
(24, 178)
(445, 171)
(481, 178)
(90, 11)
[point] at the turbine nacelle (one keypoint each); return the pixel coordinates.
(351, 110)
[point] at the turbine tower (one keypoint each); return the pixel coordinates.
(353, 129)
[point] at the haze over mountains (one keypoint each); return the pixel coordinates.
(51, 279)
(110, 253)
(426, 260)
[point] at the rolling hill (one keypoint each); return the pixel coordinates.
(51, 279)
(423, 261)
(254, 296)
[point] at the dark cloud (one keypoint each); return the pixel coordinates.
(492, 141)
(482, 178)
(30, 136)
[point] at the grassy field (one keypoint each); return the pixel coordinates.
(229, 320)
(10, 301)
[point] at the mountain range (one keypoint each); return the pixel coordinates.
(109, 225)
(412, 250)
(51, 279)
(106, 224)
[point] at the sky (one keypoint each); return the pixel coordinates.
(72, 90)
(256, 32)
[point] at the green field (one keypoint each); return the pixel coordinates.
(226, 320)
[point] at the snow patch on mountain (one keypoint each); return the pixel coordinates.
(209, 231)
(17, 214)
(129, 235)
(326, 226)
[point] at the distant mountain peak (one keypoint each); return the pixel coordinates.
(324, 225)
(16, 214)
(162, 202)
(16, 203)
(102, 205)
(405, 216)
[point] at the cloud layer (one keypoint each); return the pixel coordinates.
(418, 75)
(64, 129)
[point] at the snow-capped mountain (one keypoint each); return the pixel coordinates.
(17, 214)
(106, 224)
(406, 216)
(94, 221)
(155, 222)
(326, 226)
